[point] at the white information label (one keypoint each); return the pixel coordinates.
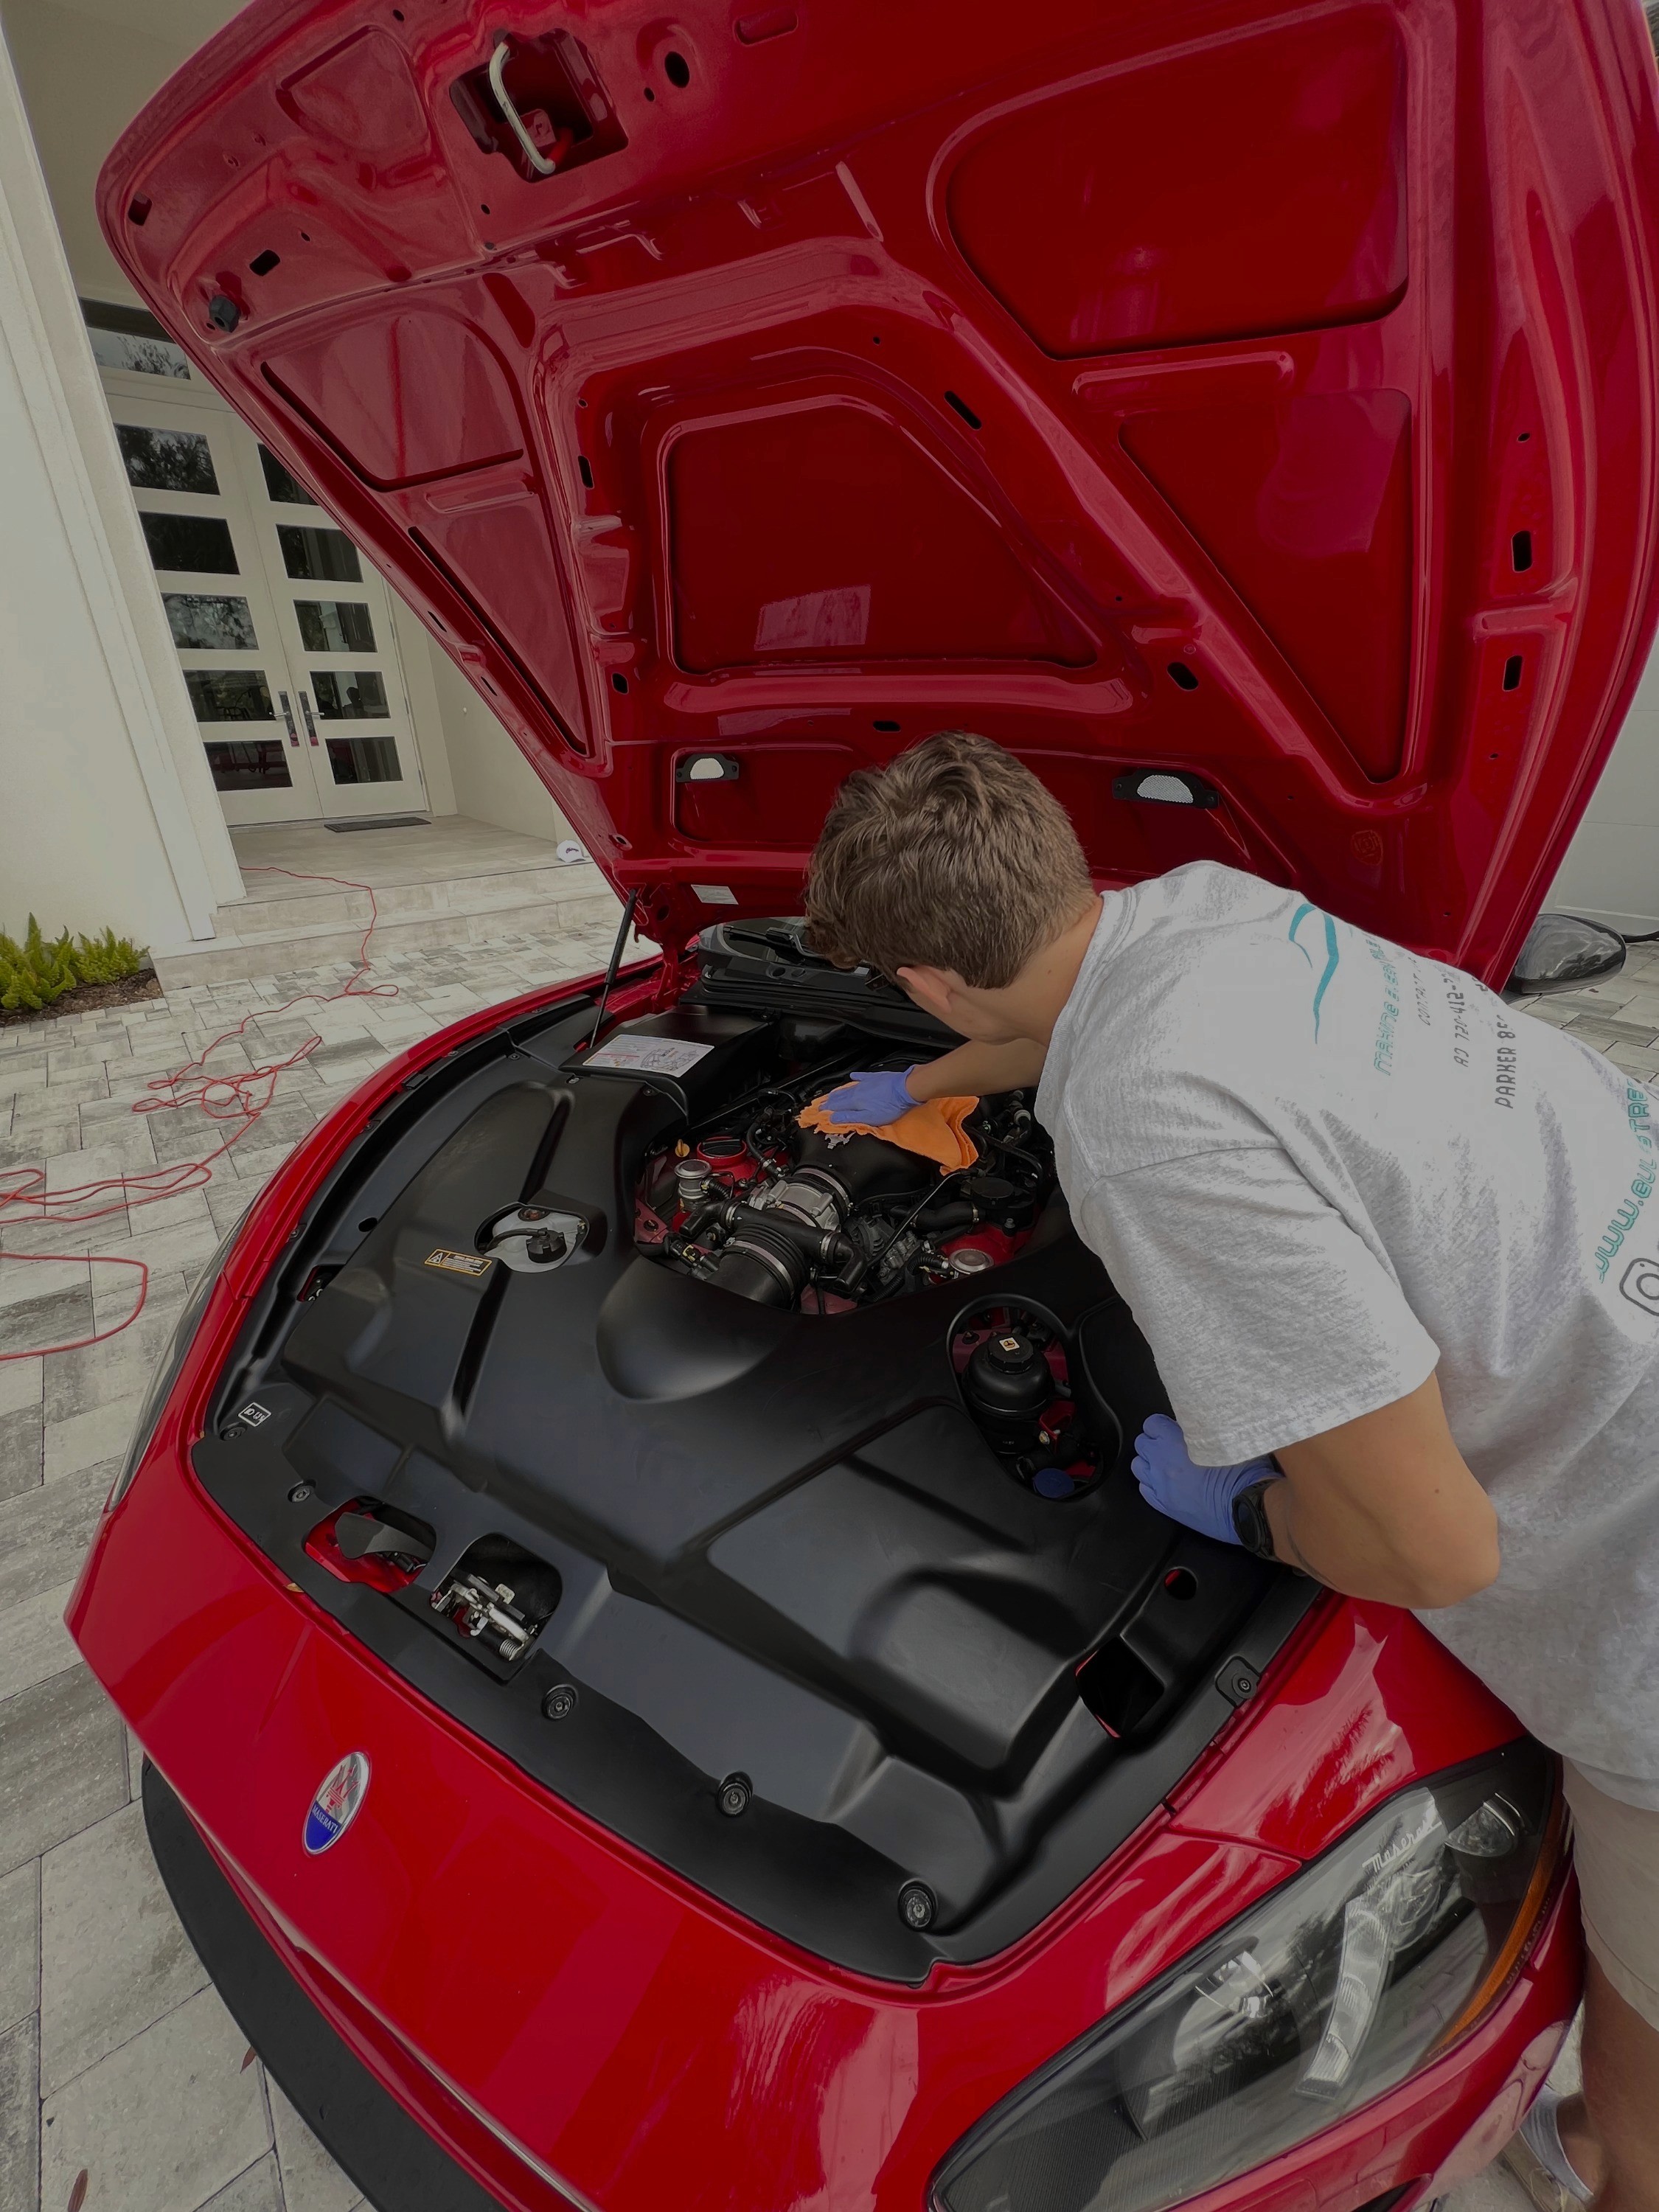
(649, 1055)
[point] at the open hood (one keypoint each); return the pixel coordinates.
(1244, 413)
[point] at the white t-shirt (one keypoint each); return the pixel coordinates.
(1319, 1169)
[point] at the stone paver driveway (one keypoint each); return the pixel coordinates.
(116, 2060)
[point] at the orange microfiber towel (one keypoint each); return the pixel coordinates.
(934, 1129)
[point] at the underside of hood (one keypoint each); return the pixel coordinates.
(1245, 414)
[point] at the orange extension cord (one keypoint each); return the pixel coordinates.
(239, 1096)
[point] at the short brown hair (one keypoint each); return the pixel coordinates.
(953, 856)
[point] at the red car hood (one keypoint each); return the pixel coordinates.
(1262, 396)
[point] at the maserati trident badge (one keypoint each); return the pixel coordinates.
(334, 1807)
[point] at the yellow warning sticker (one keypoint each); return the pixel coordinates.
(459, 1263)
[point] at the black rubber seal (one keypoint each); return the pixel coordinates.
(389, 2156)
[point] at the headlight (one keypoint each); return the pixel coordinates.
(167, 1368)
(1328, 1992)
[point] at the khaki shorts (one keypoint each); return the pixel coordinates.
(1615, 1847)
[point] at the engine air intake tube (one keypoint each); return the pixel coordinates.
(772, 1255)
(762, 1263)
(793, 1231)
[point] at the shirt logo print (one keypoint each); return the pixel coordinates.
(1332, 954)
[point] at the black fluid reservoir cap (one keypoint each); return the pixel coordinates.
(1008, 1374)
(1011, 1351)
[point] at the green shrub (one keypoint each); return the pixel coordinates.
(40, 969)
(106, 959)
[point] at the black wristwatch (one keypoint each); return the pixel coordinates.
(1250, 1518)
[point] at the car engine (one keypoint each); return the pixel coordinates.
(825, 1223)
(822, 1222)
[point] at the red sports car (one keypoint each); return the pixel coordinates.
(660, 1687)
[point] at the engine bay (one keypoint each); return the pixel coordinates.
(825, 1222)
(763, 1491)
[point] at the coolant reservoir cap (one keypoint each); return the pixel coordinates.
(1009, 1349)
(1008, 1376)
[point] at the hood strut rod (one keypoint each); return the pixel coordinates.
(616, 963)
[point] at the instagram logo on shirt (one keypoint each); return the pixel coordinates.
(1640, 1284)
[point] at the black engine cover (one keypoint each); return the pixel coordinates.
(786, 1550)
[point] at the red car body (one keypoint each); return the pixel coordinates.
(1260, 401)
(644, 2042)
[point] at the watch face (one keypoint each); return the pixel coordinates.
(1250, 1522)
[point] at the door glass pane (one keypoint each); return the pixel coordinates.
(335, 625)
(363, 760)
(201, 623)
(285, 490)
(200, 541)
(357, 694)
(147, 357)
(167, 460)
(324, 556)
(128, 338)
(242, 766)
(229, 695)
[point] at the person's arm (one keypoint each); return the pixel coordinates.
(1383, 1507)
(978, 1071)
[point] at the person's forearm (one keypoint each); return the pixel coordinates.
(1347, 1554)
(1385, 1507)
(978, 1071)
(1337, 1553)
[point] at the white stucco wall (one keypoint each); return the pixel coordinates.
(492, 781)
(107, 813)
(1611, 872)
(415, 652)
(78, 840)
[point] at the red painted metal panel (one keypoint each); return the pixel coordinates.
(1151, 204)
(1231, 336)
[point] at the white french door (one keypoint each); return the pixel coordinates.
(284, 633)
(334, 622)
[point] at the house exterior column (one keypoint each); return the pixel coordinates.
(107, 812)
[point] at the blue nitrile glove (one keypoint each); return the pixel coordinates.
(875, 1095)
(1199, 1497)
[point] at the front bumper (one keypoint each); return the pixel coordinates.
(400, 2168)
(395, 2163)
(573, 2025)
